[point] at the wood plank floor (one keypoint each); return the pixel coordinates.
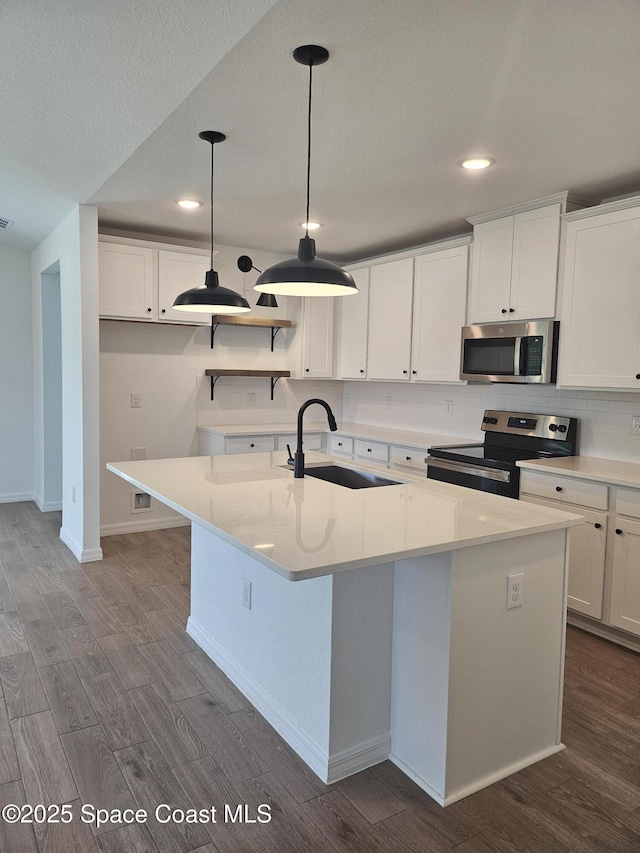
(105, 700)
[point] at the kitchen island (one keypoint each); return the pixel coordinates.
(394, 640)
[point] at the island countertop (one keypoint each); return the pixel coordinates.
(308, 528)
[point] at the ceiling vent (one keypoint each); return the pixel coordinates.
(5, 223)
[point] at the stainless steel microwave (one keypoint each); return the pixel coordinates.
(510, 352)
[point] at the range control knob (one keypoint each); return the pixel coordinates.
(493, 420)
(553, 427)
(562, 428)
(486, 420)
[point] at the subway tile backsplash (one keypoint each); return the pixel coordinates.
(604, 416)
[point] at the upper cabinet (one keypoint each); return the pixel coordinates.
(352, 318)
(600, 298)
(390, 310)
(439, 306)
(404, 324)
(514, 267)
(126, 281)
(139, 281)
(316, 350)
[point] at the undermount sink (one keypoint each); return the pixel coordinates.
(348, 477)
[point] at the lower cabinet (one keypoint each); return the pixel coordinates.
(604, 556)
(625, 576)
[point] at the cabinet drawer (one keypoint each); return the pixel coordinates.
(372, 450)
(338, 444)
(564, 489)
(628, 502)
(408, 457)
(253, 444)
(312, 441)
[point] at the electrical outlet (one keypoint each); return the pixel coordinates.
(251, 400)
(136, 401)
(73, 493)
(635, 426)
(449, 407)
(515, 590)
(138, 453)
(140, 502)
(246, 593)
(389, 402)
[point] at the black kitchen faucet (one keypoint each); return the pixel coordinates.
(298, 461)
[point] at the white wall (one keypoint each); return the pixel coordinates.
(52, 391)
(72, 247)
(165, 364)
(16, 377)
(604, 416)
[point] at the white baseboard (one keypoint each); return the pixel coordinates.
(329, 768)
(358, 758)
(82, 555)
(17, 497)
(143, 524)
(479, 784)
(47, 506)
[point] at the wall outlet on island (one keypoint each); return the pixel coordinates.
(246, 593)
(635, 425)
(389, 402)
(515, 590)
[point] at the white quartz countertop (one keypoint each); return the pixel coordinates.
(588, 468)
(395, 436)
(305, 528)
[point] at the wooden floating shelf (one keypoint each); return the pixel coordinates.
(242, 320)
(274, 375)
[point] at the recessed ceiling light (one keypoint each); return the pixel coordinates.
(189, 203)
(476, 163)
(310, 226)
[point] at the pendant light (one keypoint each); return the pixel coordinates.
(307, 275)
(210, 297)
(266, 300)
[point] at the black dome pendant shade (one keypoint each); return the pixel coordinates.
(210, 297)
(266, 300)
(307, 275)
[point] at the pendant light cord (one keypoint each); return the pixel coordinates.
(308, 149)
(212, 146)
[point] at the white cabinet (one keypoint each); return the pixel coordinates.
(600, 313)
(412, 459)
(587, 557)
(352, 320)
(249, 444)
(390, 308)
(439, 310)
(372, 451)
(317, 338)
(340, 445)
(514, 266)
(126, 281)
(139, 281)
(177, 272)
(625, 576)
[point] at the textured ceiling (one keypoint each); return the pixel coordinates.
(549, 88)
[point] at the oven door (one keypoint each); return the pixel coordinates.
(495, 480)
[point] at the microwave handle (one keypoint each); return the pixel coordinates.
(517, 350)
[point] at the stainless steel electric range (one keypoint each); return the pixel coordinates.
(509, 436)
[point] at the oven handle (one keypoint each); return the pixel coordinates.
(470, 468)
(516, 356)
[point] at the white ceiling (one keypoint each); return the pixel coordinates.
(103, 102)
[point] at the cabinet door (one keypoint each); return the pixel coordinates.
(600, 319)
(177, 272)
(353, 321)
(439, 308)
(534, 268)
(491, 260)
(317, 337)
(126, 281)
(390, 304)
(625, 576)
(587, 549)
